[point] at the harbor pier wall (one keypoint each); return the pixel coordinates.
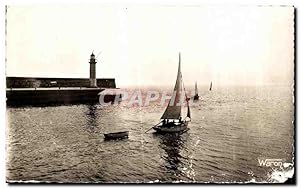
(36, 82)
(24, 91)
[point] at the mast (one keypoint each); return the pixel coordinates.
(210, 86)
(173, 110)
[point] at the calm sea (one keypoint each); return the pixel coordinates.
(231, 129)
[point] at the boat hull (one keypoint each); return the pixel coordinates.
(117, 135)
(169, 128)
(196, 97)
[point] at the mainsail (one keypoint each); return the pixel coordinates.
(173, 110)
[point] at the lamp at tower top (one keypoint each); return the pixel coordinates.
(92, 59)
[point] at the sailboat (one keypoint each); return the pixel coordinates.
(196, 97)
(171, 120)
(210, 87)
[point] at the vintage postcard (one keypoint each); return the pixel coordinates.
(99, 93)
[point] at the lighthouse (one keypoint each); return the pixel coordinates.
(93, 81)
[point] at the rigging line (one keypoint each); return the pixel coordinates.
(187, 102)
(183, 85)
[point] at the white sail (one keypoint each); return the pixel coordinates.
(173, 110)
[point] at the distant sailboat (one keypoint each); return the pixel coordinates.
(210, 87)
(196, 97)
(171, 120)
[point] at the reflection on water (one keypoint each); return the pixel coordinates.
(172, 145)
(91, 115)
(230, 130)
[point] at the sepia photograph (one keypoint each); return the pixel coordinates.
(165, 94)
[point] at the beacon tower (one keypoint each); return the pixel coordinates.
(93, 81)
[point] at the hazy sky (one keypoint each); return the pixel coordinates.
(240, 45)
